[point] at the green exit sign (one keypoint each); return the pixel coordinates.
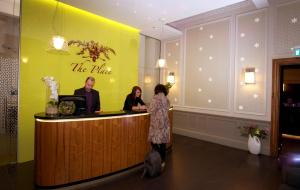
(297, 52)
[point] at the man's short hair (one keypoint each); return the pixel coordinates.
(90, 78)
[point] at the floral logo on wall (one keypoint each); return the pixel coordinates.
(92, 51)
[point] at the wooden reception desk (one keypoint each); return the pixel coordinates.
(76, 148)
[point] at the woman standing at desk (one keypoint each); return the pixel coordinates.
(134, 101)
(159, 131)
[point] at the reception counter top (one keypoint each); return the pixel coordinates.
(95, 115)
(70, 149)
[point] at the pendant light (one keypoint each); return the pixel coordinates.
(58, 44)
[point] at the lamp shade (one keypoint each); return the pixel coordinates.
(58, 42)
(249, 76)
(161, 63)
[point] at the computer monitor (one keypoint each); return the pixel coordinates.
(79, 101)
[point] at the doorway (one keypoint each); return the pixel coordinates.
(285, 130)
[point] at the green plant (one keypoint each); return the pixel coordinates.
(52, 102)
(168, 85)
(253, 130)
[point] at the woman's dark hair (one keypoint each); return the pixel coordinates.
(134, 89)
(160, 88)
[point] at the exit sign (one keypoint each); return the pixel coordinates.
(297, 52)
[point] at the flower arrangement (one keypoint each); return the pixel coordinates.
(94, 50)
(52, 94)
(253, 130)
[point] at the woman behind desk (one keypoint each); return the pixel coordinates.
(133, 100)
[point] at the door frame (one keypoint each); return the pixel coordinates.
(276, 76)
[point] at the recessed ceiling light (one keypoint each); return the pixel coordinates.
(134, 11)
(241, 107)
(209, 100)
(242, 35)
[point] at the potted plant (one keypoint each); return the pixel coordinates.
(51, 95)
(255, 136)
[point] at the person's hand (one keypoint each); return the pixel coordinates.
(143, 107)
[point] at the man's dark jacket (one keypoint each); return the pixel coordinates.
(95, 98)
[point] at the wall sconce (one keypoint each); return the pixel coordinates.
(147, 80)
(250, 75)
(161, 63)
(171, 78)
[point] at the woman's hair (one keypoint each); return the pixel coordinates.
(134, 89)
(160, 88)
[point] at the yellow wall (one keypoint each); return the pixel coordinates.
(36, 32)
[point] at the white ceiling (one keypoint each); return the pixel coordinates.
(150, 15)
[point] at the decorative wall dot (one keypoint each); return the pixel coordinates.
(294, 20)
(210, 79)
(292, 49)
(176, 62)
(209, 100)
(169, 54)
(242, 35)
(256, 45)
(177, 44)
(210, 58)
(200, 48)
(199, 90)
(242, 59)
(211, 36)
(241, 107)
(201, 28)
(256, 20)
(200, 69)
(255, 96)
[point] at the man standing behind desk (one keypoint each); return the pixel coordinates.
(92, 96)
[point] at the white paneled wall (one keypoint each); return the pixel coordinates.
(148, 73)
(216, 53)
(207, 62)
(173, 59)
(287, 28)
(251, 52)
